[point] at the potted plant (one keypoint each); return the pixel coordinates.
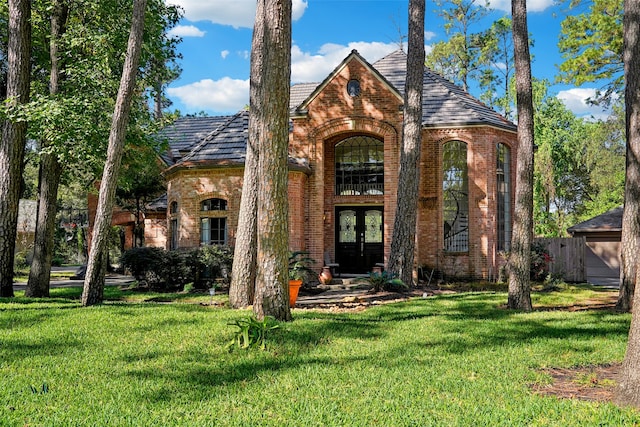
(299, 272)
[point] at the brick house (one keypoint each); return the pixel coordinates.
(343, 169)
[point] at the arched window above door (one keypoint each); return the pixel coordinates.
(359, 166)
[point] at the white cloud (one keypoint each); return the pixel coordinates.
(307, 67)
(236, 13)
(576, 100)
(532, 5)
(229, 95)
(428, 35)
(224, 54)
(225, 95)
(186, 31)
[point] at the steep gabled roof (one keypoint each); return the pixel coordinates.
(313, 91)
(444, 103)
(608, 221)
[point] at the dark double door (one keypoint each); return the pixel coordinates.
(359, 238)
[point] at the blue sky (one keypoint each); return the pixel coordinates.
(216, 41)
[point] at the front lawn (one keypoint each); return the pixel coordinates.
(455, 359)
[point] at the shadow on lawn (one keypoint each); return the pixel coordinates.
(461, 324)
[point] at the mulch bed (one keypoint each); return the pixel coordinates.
(590, 383)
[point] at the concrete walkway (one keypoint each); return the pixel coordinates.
(111, 279)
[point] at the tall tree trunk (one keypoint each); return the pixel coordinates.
(13, 136)
(243, 273)
(272, 296)
(628, 391)
(631, 213)
(96, 266)
(520, 258)
(404, 228)
(49, 175)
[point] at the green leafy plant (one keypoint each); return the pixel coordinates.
(385, 281)
(540, 260)
(300, 266)
(251, 332)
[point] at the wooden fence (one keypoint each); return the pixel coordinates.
(568, 256)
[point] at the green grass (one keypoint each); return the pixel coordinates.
(451, 360)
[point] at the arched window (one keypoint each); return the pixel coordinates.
(503, 196)
(359, 166)
(213, 205)
(455, 193)
(213, 222)
(173, 226)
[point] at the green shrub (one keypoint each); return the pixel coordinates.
(386, 281)
(177, 268)
(20, 260)
(214, 262)
(163, 269)
(540, 259)
(144, 264)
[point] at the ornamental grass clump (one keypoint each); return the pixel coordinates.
(252, 332)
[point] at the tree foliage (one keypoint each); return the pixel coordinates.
(562, 180)
(140, 182)
(496, 51)
(591, 45)
(459, 57)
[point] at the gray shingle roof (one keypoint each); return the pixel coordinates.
(185, 132)
(225, 144)
(223, 139)
(443, 104)
(608, 221)
(299, 93)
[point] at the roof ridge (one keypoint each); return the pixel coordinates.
(211, 135)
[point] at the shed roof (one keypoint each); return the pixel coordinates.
(608, 221)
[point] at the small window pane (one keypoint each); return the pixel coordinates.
(213, 205)
(347, 227)
(174, 234)
(213, 231)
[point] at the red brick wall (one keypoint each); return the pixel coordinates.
(332, 115)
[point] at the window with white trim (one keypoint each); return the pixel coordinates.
(213, 222)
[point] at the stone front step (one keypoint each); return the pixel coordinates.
(347, 283)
